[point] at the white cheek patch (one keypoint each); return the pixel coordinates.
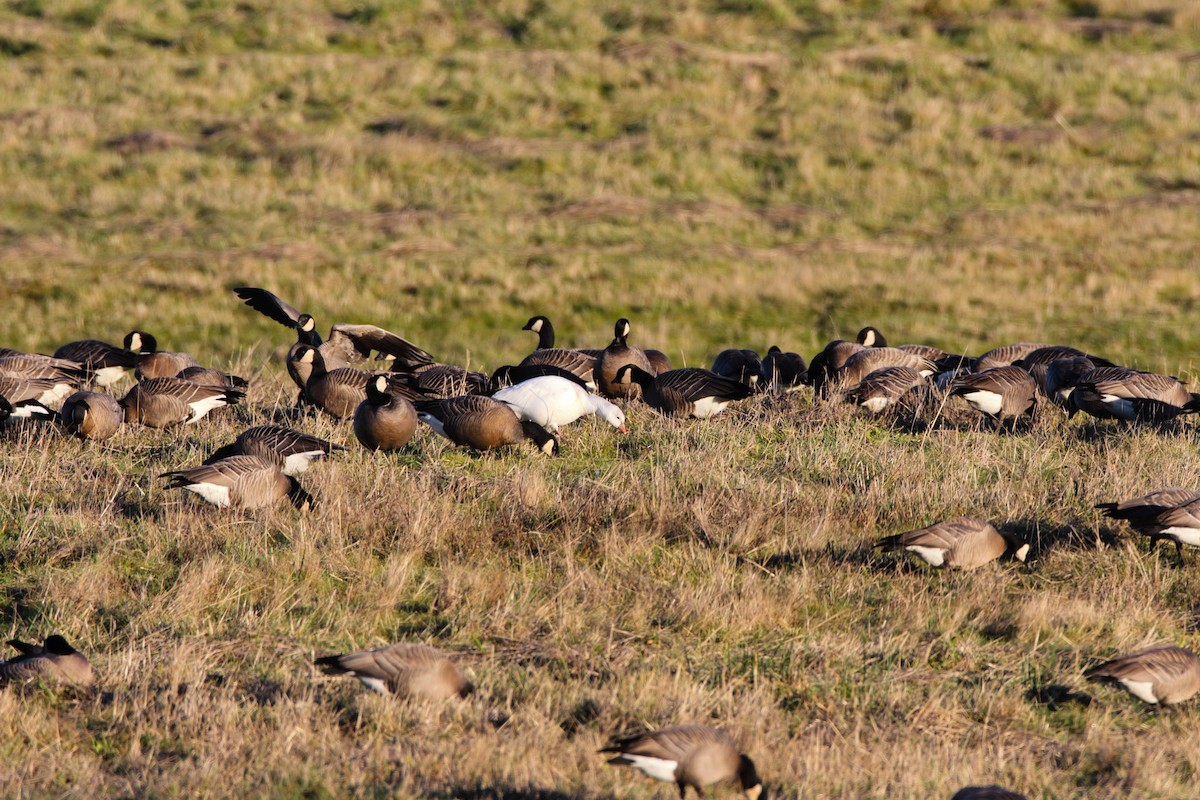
(1143, 690)
(217, 495)
(933, 555)
(375, 684)
(657, 768)
(987, 402)
(708, 407)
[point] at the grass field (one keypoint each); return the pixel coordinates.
(961, 173)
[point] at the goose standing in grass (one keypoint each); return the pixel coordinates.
(1155, 516)
(104, 363)
(693, 756)
(1005, 355)
(619, 354)
(581, 363)
(885, 387)
(783, 372)
(384, 421)
(288, 449)
(1126, 394)
(92, 415)
(152, 362)
(1002, 393)
(166, 402)
(1157, 675)
(864, 362)
(406, 670)
(53, 660)
(241, 482)
(482, 423)
(31, 376)
(688, 392)
(552, 401)
(337, 392)
(959, 543)
(825, 364)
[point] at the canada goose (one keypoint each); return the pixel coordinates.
(288, 449)
(959, 543)
(152, 362)
(164, 402)
(53, 660)
(1000, 393)
(986, 793)
(407, 670)
(481, 423)
(552, 401)
(783, 372)
(744, 366)
(1159, 516)
(1163, 674)
(104, 363)
(1005, 355)
(20, 365)
(1117, 393)
(825, 364)
(884, 387)
(545, 331)
(242, 482)
(337, 392)
(864, 362)
(92, 415)
(615, 356)
(1038, 361)
(688, 392)
(871, 337)
(384, 421)
(32, 397)
(690, 755)
(347, 344)
(1062, 375)
(442, 380)
(212, 377)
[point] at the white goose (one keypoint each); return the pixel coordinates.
(551, 401)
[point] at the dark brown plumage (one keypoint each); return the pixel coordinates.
(482, 423)
(288, 449)
(688, 392)
(54, 660)
(92, 415)
(241, 482)
(693, 756)
(959, 543)
(384, 421)
(166, 402)
(407, 670)
(152, 362)
(1157, 675)
(617, 355)
(1000, 393)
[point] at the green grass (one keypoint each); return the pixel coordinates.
(962, 173)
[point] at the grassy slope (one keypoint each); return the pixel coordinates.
(737, 172)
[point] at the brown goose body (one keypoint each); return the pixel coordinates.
(34, 365)
(92, 415)
(1178, 523)
(1144, 510)
(1005, 355)
(1157, 675)
(337, 392)
(783, 372)
(1037, 362)
(580, 363)
(32, 397)
(688, 392)
(165, 402)
(240, 482)
(104, 363)
(152, 362)
(1001, 392)
(693, 756)
(208, 376)
(286, 448)
(619, 354)
(407, 670)
(884, 387)
(384, 421)
(825, 365)
(443, 380)
(959, 543)
(54, 660)
(481, 423)
(1119, 393)
(864, 362)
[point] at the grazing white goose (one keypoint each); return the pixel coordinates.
(551, 401)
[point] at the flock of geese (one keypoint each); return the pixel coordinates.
(553, 387)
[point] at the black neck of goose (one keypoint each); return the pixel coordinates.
(377, 396)
(318, 364)
(545, 335)
(58, 646)
(300, 498)
(541, 437)
(639, 375)
(747, 774)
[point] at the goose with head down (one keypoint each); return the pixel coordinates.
(693, 756)
(688, 392)
(482, 423)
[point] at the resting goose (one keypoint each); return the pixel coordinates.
(407, 670)
(92, 415)
(104, 363)
(1000, 393)
(864, 362)
(552, 401)
(53, 660)
(481, 423)
(152, 362)
(1126, 394)
(1005, 355)
(288, 449)
(884, 387)
(384, 421)
(241, 482)
(744, 366)
(165, 402)
(959, 543)
(1164, 674)
(617, 355)
(32, 397)
(688, 392)
(688, 755)
(783, 372)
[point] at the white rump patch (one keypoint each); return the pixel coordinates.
(1185, 535)
(657, 768)
(107, 376)
(875, 404)
(933, 555)
(29, 411)
(1142, 690)
(217, 495)
(374, 684)
(708, 407)
(298, 462)
(988, 402)
(433, 422)
(201, 407)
